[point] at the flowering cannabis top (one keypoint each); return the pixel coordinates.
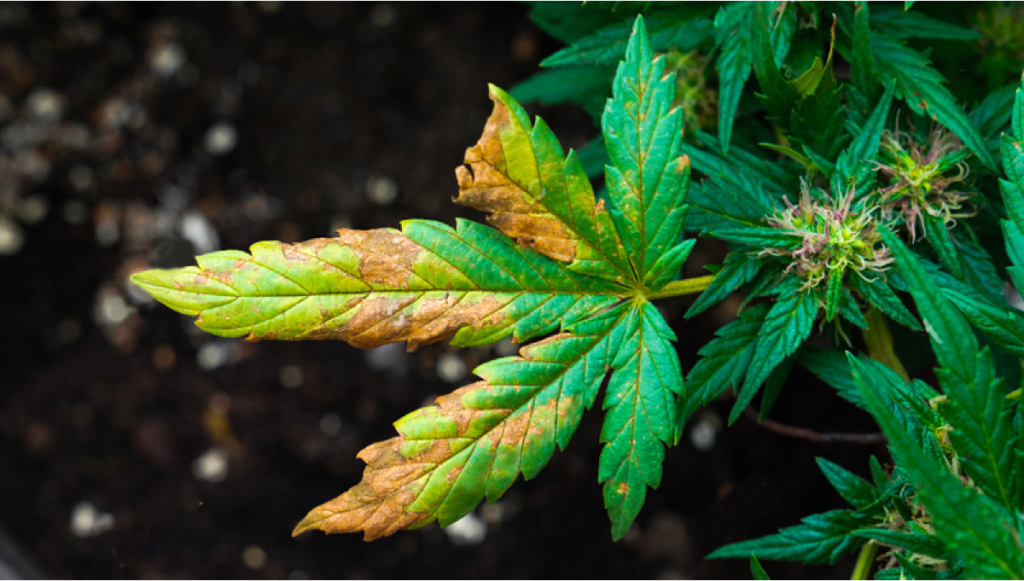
(922, 179)
(833, 238)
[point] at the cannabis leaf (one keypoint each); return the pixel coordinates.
(922, 88)
(558, 260)
(732, 27)
(756, 569)
(820, 538)
(607, 45)
(980, 530)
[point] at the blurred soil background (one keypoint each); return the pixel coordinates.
(133, 445)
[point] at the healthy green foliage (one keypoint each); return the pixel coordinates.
(821, 538)
(842, 180)
(756, 569)
(968, 523)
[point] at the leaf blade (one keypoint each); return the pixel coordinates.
(921, 86)
(648, 176)
(963, 519)
(518, 175)
(640, 415)
(820, 538)
(479, 438)
(787, 324)
(380, 286)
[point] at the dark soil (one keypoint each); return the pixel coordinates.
(116, 127)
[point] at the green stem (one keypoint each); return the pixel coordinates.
(678, 288)
(865, 560)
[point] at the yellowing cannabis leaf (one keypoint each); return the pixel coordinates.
(559, 262)
(517, 173)
(379, 286)
(478, 439)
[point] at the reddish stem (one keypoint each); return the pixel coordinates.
(812, 435)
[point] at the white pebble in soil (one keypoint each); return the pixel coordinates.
(31, 164)
(330, 424)
(493, 513)
(33, 209)
(86, 521)
(291, 377)
(107, 233)
(704, 433)
(167, 60)
(468, 530)
(195, 228)
(382, 15)
(81, 177)
(214, 354)
(386, 357)
(381, 190)
(506, 347)
(112, 310)
(11, 237)
(45, 105)
(254, 557)
(211, 466)
(115, 113)
(220, 139)
(451, 367)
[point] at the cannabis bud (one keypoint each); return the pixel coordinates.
(923, 179)
(832, 238)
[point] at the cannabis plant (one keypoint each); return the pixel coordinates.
(851, 179)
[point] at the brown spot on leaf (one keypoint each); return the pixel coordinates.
(684, 163)
(292, 252)
(386, 256)
(386, 319)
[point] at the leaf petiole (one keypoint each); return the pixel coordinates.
(865, 559)
(879, 342)
(678, 288)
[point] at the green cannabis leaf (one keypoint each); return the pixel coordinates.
(558, 260)
(965, 520)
